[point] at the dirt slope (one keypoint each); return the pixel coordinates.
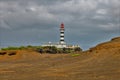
(101, 62)
(11, 55)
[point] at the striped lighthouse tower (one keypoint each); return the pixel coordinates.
(62, 34)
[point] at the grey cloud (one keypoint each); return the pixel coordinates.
(39, 20)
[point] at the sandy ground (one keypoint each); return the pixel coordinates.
(99, 63)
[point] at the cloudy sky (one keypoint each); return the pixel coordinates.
(33, 22)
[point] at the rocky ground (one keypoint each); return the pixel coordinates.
(98, 63)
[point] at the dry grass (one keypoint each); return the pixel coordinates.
(99, 63)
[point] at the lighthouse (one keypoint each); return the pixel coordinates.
(62, 29)
(61, 44)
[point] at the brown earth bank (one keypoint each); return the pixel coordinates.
(101, 62)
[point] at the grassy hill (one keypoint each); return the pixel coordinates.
(101, 62)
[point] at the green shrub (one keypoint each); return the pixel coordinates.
(77, 49)
(22, 47)
(74, 55)
(10, 48)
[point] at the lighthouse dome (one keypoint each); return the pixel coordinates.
(62, 26)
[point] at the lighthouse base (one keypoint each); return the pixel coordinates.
(59, 45)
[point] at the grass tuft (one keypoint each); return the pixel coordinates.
(74, 55)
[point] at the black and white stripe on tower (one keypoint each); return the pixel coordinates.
(62, 34)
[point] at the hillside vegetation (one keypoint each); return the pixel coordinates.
(42, 49)
(101, 62)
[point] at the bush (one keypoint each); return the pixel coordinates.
(74, 55)
(77, 49)
(10, 48)
(22, 47)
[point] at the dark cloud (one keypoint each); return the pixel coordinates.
(87, 22)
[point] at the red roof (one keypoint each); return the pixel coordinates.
(62, 26)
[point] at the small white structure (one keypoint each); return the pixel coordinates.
(61, 43)
(58, 45)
